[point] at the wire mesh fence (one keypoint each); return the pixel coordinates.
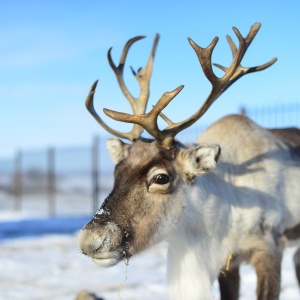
(52, 181)
(276, 116)
(74, 181)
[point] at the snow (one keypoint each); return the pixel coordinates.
(40, 259)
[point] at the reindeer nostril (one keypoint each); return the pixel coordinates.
(95, 239)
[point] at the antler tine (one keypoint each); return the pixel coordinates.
(205, 55)
(119, 70)
(149, 121)
(143, 77)
(89, 103)
(240, 71)
(139, 104)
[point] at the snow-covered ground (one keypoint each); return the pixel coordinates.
(48, 266)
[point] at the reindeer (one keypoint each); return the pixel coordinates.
(229, 281)
(213, 218)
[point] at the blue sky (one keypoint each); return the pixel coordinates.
(52, 51)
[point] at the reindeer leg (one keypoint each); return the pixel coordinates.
(267, 267)
(297, 264)
(229, 282)
(293, 234)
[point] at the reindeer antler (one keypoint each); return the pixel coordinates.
(240, 71)
(219, 85)
(138, 104)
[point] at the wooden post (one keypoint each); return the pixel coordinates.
(243, 111)
(51, 181)
(17, 181)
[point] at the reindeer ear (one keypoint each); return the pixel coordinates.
(199, 160)
(117, 150)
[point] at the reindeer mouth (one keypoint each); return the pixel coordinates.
(107, 262)
(111, 259)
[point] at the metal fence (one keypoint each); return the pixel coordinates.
(275, 116)
(74, 181)
(54, 181)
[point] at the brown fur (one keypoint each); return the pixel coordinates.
(291, 137)
(137, 215)
(267, 269)
(229, 282)
(297, 264)
(292, 233)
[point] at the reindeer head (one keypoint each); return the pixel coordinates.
(152, 177)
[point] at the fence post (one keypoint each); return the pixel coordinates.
(95, 173)
(51, 181)
(17, 181)
(243, 111)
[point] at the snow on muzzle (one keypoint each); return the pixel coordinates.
(102, 242)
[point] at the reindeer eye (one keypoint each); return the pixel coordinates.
(161, 179)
